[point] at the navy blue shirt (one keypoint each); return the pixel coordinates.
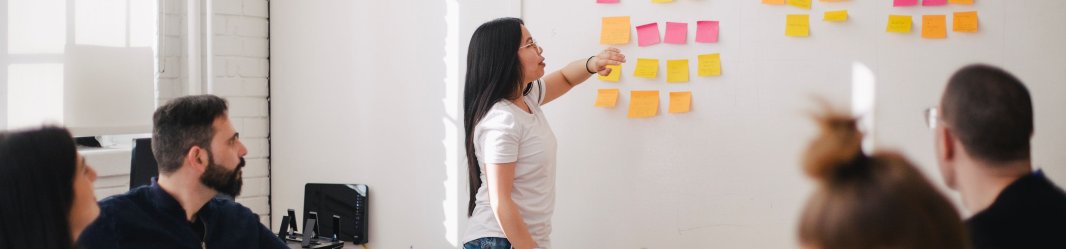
(148, 217)
(1029, 213)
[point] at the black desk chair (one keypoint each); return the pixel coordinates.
(143, 165)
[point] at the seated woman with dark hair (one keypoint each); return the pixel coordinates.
(875, 201)
(46, 189)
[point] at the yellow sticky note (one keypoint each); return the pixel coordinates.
(676, 70)
(680, 102)
(643, 104)
(773, 1)
(797, 25)
(647, 68)
(806, 4)
(965, 21)
(836, 16)
(961, 1)
(614, 30)
(615, 75)
(710, 65)
(606, 97)
(899, 24)
(934, 26)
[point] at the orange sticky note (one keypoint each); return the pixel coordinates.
(614, 76)
(677, 70)
(614, 30)
(899, 24)
(836, 16)
(710, 65)
(965, 21)
(806, 4)
(606, 97)
(773, 1)
(680, 102)
(643, 104)
(797, 25)
(961, 1)
(647, 68)
(934, 26)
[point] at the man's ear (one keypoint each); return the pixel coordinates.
(197, 158)
(947, 144)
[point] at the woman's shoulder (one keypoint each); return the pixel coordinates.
(500, 116)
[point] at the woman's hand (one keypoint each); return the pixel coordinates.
(609, 56)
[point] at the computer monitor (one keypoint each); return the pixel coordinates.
(349, 201)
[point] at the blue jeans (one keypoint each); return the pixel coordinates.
(488, 243)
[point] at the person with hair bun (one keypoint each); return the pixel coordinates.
(871, 201)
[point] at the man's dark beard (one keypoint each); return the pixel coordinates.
(224, 181)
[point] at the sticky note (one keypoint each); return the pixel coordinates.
(606, 1)
(965, 21)
(934, 26)
(773, 1)
(707, 31)
(677, 70)
(615, 75)
(680, 102)
(836, 16)
(614, 30)
(797, 25)
(934, 2)
(661, 1)
(709, 65)
(646, 68)
(806, 4)
(606, 97)
(961, 1)
(899, 24)
(901, 3)
(643, 104)
(676, 32)
(648, 34)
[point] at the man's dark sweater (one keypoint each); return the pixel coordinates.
(148, 217)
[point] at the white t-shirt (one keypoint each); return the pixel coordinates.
(508, 134)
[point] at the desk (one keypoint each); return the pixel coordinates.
(347, 245)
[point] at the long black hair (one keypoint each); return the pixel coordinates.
(37, 169)
(493, 73)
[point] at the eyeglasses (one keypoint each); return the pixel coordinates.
(932, 117)
(533, 43)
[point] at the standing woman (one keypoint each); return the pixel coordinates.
(46, 190)
(510, 148)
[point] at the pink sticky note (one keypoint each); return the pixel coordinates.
(899, 3)
(606, 1)
(934, 2)
(676, 32)
(707, 31)
(648, 34)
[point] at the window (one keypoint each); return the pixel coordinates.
(33, 50)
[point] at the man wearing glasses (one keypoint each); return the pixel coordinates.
(983, 127)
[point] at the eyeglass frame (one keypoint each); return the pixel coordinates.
(533, 43)
(932, 117)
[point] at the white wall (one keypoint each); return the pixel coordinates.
(362, 92)
(240, 56)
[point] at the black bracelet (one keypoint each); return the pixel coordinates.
(587, 65)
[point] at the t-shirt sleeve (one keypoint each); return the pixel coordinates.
(497, 137)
